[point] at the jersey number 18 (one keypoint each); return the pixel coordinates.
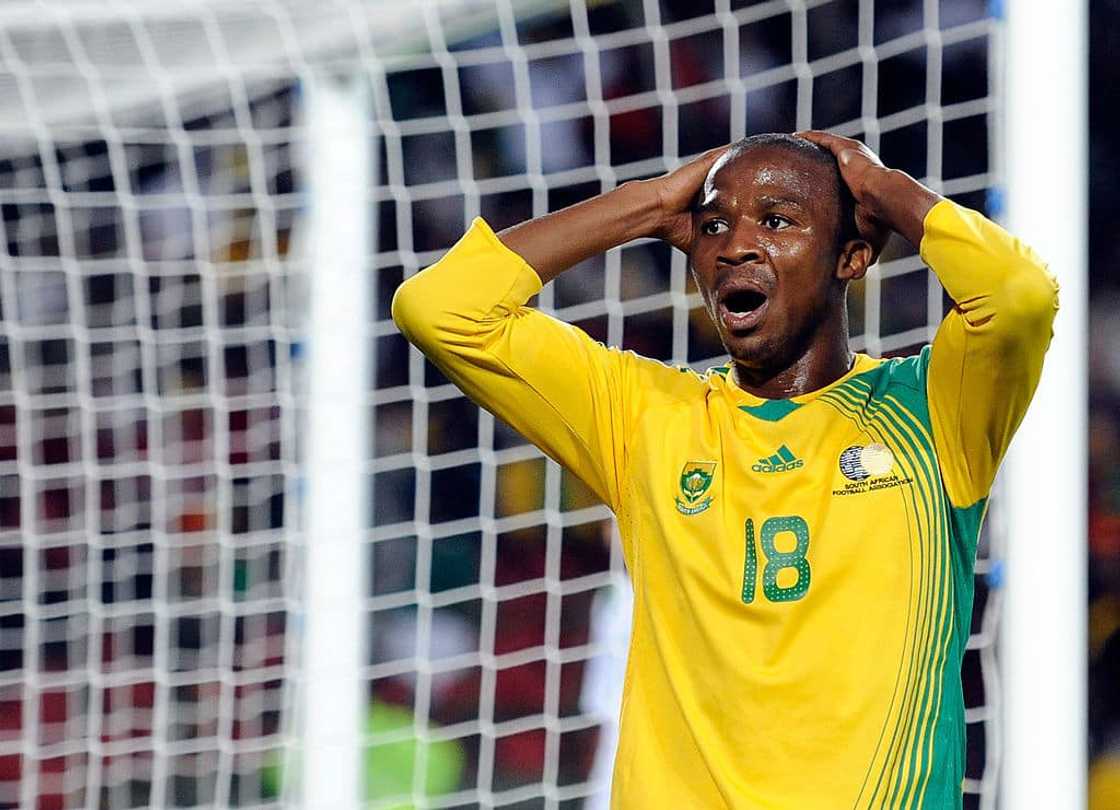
(777, 560)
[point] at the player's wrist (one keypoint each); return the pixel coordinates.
(898, 200)
(640, 206)
(879, 185)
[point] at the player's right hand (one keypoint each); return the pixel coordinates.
(676, 195)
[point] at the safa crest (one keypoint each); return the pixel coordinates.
(696, 480)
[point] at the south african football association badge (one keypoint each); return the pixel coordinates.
(696, 480)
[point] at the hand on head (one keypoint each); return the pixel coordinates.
(676, 194)
(858, 168)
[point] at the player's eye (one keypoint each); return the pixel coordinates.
(775, 222)
(713, 227)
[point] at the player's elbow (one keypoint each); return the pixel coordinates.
(431, 317)
(413, 312)
(1023, 307)
(1030, 298)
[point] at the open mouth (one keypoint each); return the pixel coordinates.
(742, 309)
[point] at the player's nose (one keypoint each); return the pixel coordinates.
(742, 246)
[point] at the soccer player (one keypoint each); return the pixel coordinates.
(800, 525)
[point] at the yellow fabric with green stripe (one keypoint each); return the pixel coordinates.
(909, 753)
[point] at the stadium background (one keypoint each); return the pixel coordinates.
(257, 436)
(1104, 405)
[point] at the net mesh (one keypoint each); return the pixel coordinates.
(152, 198)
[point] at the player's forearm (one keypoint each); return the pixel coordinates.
(552, 243)
(900, 201)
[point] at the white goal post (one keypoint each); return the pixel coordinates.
(256, 552)
(1045, 647)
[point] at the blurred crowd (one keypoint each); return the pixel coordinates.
(1104, 408)
(1104, 545)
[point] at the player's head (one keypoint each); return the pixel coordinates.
(775, 243)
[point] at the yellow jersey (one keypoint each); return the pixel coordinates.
(802, 567)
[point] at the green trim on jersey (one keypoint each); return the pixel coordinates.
(772, 410)
(923, 761)
(944, 788)
(906, 754)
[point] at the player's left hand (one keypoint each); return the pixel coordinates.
(859, 168)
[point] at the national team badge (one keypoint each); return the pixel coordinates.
(696, 480)
(869, 468)
(860, 462)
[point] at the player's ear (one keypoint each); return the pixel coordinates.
(856, 256)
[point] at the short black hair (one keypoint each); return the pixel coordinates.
(847, 229)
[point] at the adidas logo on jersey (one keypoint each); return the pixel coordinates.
(782, 461)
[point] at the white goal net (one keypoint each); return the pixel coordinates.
(153, 325)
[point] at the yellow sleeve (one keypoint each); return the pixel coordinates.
(560, 389)
(987, 356)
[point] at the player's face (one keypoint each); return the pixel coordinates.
(765, 254)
